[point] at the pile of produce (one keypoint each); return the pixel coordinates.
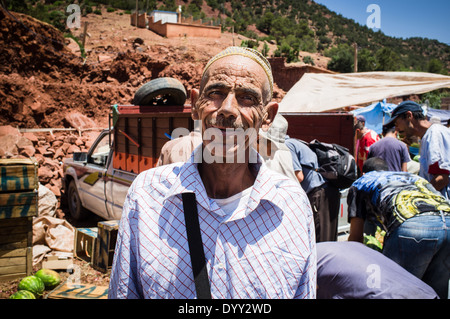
(33, 287)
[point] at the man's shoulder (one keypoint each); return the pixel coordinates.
(282, 184)
(298, 146)
(295, 142)
(370, 136)
(157, 177)
(437, 130)
(388, 142)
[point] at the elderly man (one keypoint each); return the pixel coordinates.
(256, 226)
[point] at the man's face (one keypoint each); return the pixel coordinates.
(404, 126)
(232, 97)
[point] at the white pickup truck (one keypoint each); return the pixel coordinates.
(97, 181)
(91, 184)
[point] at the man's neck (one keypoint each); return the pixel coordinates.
(422, 127)
(223, 180)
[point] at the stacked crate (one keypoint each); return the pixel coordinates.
(19, 185)
(105, 244)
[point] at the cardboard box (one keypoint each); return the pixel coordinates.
(57, 262)
(78, 291)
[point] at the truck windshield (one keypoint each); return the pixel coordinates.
(99, 155)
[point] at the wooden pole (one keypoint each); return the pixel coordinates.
(355, 67)
(232, 31)
(85, 32)
(137, 12)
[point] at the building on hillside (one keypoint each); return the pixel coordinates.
(172, 25)
(164, 16)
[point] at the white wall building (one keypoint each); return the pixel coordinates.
(164, 16)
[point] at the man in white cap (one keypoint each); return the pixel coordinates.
(272, 147)
(256, 226)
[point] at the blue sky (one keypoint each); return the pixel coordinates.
(400, 18)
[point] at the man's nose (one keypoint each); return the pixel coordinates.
(229, 106)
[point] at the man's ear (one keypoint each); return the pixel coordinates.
(409, 115)
(269, 116)
(194, 97)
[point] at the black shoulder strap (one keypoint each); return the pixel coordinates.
(194, 237)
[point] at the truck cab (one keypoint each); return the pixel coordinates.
(87, 181)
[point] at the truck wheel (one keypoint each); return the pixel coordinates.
(76, 209)
(161, 91)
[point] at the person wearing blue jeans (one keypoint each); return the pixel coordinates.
(415, 216)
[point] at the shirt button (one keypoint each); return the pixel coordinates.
(221, 266)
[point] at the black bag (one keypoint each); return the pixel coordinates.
(336, 164)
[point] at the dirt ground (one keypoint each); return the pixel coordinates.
(45, 83)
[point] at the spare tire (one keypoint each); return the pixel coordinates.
(160, 91)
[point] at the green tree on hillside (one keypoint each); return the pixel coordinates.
(342, 58)
(434, 66)
(388, 60)
(366, 61)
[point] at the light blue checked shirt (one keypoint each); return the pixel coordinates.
(265, 249)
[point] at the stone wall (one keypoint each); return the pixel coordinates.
(285, 76)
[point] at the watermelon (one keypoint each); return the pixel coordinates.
(32, 284)
(22, 294)
(49, 277)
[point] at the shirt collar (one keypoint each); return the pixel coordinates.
(189, 181)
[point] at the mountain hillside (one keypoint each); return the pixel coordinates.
(295, 26)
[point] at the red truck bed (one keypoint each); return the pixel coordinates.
(139, 134)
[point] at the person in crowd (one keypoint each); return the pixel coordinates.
(272, 147)
(415, 216)
(365, 137)
(409, 120)
(323, 196)
(393, 151)
(256, 225)
(351, 270)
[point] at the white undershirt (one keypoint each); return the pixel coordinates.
(231, 204)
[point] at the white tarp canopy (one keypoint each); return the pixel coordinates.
(320, 92)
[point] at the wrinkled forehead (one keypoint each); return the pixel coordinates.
(239, 70)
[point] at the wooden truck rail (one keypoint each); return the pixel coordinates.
(141, 131)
